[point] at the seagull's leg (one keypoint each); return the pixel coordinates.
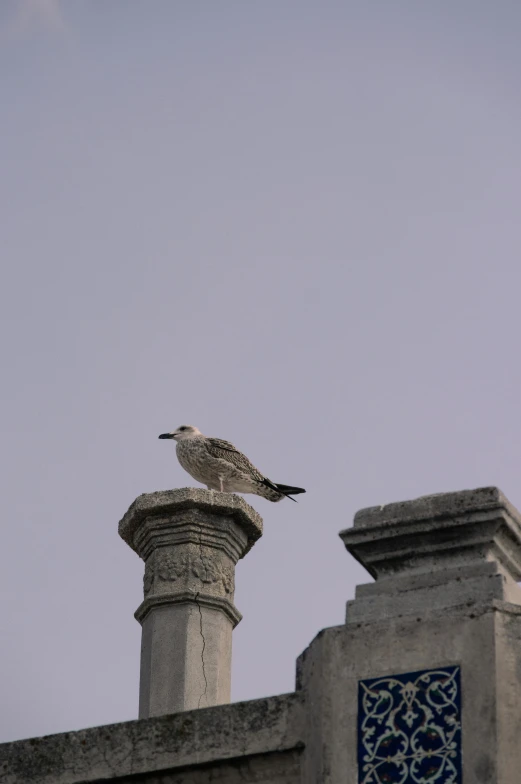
(221, 484)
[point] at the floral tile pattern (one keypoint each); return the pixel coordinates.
(409, 728)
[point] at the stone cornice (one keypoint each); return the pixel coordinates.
(437, 532)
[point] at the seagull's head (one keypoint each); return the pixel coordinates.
(182, 433)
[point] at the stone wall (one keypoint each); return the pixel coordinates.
(258, 741)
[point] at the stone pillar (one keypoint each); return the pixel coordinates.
(423, 682)
(190, 540)
(436, 552)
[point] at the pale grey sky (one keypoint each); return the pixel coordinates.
(293, 224)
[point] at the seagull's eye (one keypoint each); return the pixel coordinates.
(182, 428)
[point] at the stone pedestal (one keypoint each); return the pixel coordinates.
(190, 541)
(436, 552)
(423, 682)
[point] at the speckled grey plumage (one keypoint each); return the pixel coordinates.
(210, 460)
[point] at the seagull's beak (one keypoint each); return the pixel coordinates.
(166, 435)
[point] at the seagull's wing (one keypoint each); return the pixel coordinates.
(223, 450)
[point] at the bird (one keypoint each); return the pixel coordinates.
(220, 466)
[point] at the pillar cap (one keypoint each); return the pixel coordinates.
(165, 502)
(436, 532)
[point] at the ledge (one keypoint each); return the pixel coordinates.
(434, 507)
(149, 746)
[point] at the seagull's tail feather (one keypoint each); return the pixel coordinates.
(288, 490)
(285, 490)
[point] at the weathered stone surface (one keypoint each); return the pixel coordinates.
(444, 596)
(279, 767)
(250, 738)
(436, 506)
(338, 659)
(163, 502)
(436, 551)
(507, 634)
(190, 540)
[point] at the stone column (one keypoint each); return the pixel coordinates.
(190, 540)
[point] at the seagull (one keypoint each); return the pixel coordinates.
(220, 466)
